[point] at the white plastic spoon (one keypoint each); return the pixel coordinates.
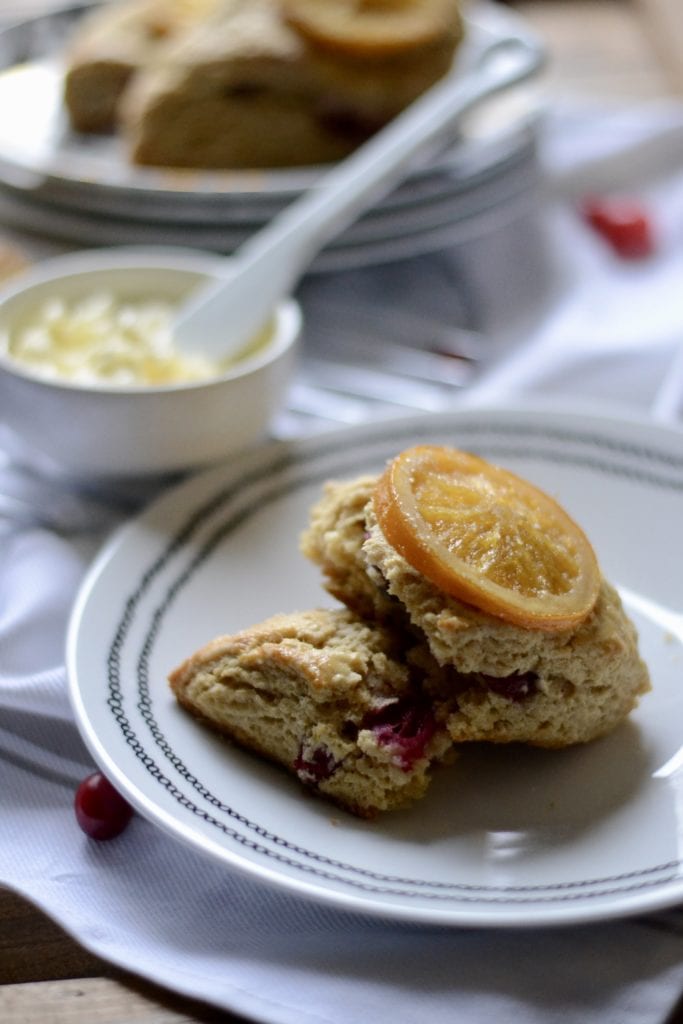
(221, 317)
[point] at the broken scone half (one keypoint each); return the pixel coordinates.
(331, 698)
(500, 585)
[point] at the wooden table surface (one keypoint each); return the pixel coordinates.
(608, 49)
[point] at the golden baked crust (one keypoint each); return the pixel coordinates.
(511, 684)
(333, 541)
(330, 698)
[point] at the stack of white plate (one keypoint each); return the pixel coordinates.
(83, 190)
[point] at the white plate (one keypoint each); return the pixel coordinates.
(373, 240)
(506, 837)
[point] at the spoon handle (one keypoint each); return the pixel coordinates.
(271, 262)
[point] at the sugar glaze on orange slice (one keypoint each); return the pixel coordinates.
(487, 537)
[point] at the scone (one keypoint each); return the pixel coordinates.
(247, 89)
(330, 698)
(510, 683)
(237, 92)
(111, 44)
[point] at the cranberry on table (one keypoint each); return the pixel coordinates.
(623, 223)
(101, 811)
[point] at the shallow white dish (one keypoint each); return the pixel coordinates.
(97, 429)
(507, 837)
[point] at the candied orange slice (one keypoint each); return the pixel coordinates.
(487, 537)
(374, 28)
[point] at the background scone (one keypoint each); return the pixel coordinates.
(329, 697)
(236, 92)
(240, 83)
(246, 89)
(512, 684)
(113, 43)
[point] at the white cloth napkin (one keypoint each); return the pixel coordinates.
(150, 905)
(615, 331)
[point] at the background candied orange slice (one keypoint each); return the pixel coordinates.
(373, 28)
(487, 537)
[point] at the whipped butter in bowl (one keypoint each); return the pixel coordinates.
(90, 377)
(106, 339)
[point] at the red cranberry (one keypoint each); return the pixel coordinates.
(515, 687)
(101, 811)
(405, 725)
(624, 224)
(315, 766)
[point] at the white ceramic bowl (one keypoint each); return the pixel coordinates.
(104, 431)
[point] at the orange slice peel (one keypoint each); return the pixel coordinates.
(487, 537)
(373, 28)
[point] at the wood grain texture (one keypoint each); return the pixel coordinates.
(47, 978)
(99, 1001)
(33, 948)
